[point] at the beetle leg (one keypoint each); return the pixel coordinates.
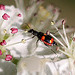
(37, 43)
(33, 36)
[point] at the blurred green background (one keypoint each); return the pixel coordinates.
(67, 8)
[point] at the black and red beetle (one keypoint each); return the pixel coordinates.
(45, 38)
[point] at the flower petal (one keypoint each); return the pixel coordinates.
(14, 20)
(31, 65)
(59, 68)
(18, 49)
(7, 68)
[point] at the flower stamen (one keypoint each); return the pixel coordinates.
(57, 40)
(59, 33)
(13, 44)
(22, 41)
(65, 53)
(66, 36)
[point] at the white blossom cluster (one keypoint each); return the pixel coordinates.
(19, 52)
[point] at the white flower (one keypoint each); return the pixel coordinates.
(11, 36)
(32, 65)
(43, 20)
(39, 19)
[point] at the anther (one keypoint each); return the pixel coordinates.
(63, 21)
(2, 7)
(19, 15)
(3, 43)
(5, 31)
(14, 30)
(8, 57)
(5, 16)
(25, 31)
(23, 41)
(0, 52)
(52, 22)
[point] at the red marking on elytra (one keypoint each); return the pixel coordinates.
(52, 40)
(45, 34)
(43, 38)
(46, 43)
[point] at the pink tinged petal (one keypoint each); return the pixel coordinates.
(3, 43)
(5, 16)
(2, 7)
(0, 52)
(19, 15)
(8, 57)
(14, 30)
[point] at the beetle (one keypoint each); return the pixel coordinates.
(45, 38)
